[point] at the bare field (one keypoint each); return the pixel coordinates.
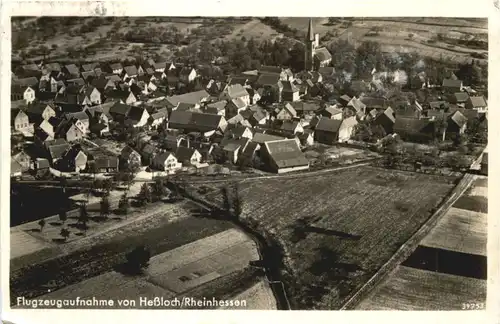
(414, 289)
(337, 229)
(461, 231)
(257, 297)
(253, 29)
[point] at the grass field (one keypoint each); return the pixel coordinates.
(337, 229)
(414, 289)
(174, 272)
(461, 231)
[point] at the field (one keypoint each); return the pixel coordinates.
(394, 34)
(173, 272)
(257, 297)
(446, 270)
(253, 29)
(338, 228)
(414, 289)
(460, 230)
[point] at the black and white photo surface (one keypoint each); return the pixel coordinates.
(268, 163)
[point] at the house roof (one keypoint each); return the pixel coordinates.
(450, 83)
(237, 130)
(120, 109)
(77, 81)
(131, 70)
(15, 166)
(113, 78)
(478, 101)
(333, 110)
(262, 138)
(192, 97)
(328, 125)
(53, 67)
(135, 113)
(116, 66)
(286, 153)
(219, 105)
(460, 96)
(458, 118)
(238, 103)
(184, 153)
(236, 91)
(289, 108)
(241, 80)
(127, 151)
(80, 115)
(30, 67)
(160, 113)
(389, 113)
(322, 54)
(305, 106)
(349, 122)
(270, 69)
(57, 151)
(72, 69)
(326, 70)
(411, 125)
(87, 74)
(106, 161)
(27, 82)
(289, 125)
(268, 79)
(162, 157)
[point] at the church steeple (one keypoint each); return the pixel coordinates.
(310, 34)
(309, 42)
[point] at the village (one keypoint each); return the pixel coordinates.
(128, 130)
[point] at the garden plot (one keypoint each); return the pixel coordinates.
(415, 289)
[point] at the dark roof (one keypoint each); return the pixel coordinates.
(458, 118)
(120, 109)
(286, 153)
(191, 97)
(438, 104)
(106, 161)
(29, 82)
(81, 115)
(326, 70)
(77, 81)
(87, 74)
(270, 69)
(53, 67)
(57, 151)
(460, 96)
(289, 86)
(374, 102)
(289, 125)
(131, 70)
(241, 80)
(262, 138)
(450, 83)
(183, 153)
(135, 113)
(236, 91)
(411, 125)
(328, 125)
(72, 69)
(127, 151)
(116, 66)
(268, 79)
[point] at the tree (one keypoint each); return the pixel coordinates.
(83, 216)
(64, 233)
(159, 189)
(226, 201)
(411, 35)
(105, 207)
(107, 185)
(63, 216)
(144, 196)
(41, 223)
(123, 204)
(441, 124)
(137, 259)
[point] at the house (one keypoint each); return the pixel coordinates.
(42, 136)
(458, 98)
(71, 130)
(21, 121)
(188, 156)
(23, 159)
(129, 71)
(414, 129)
(287, 112)
(41, 166)
(82, 117)
(259, 117)
(347, 129)
(477, 103)
(88, 76)
(290, 92)
(38, 112)
(157, 118)
(234, 107)
(233, 147)
(89, 67)
(457, 123)
(195, 98)
(196, 122)
(306, 138)
(116, 68)
(104, 164)
(74, 160)
(332, 112)
(322, 57)
(137, 117)
(15, 168)
(238, 132)
(93, 95)
(71, 71)
(452, 86)
(271, 85)
(49, 126)
(327, 72)
(187, 75)
(305, 108)
(20, 92)
(56, 149)
(281, 156)
(291, 127)
(99, 129)
(386, 120)
(166, 161)
(261, 138)
(327, 130)
(129, 158)
(235, 91)
(119, 111)
(147, 153)
(53, 67)
(216, 108)
(254, 96)
(357, 107)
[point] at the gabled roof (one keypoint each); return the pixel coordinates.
(30, 67)
(219, 105)
(261, 138)
(450, 83)
(389, 113)
(270, 69)
(332, 110)
(289, 108)
(191, 97)
(478, 101)
(162, 157)
(53, 67)
(183, 153)
(289, 86)
(113, 77)
(268, 79)
(322, 54)
(460, 96)
(57, 151)
(241, 80)
(131, 70)
(72, 69)
(77, 81)
(135, 113)
(28, 82)
(458, 118)
(116, 66)
(160, 113)
(127, 151)
(328, 125)
(286, 153)
(120, 109)
(289, 125)
(236, 91)
(238, 103)
(326, 70)
(81, 115)
(411, 125)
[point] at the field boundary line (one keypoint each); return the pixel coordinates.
(409, 246)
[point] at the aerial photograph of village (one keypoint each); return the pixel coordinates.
(268, 163)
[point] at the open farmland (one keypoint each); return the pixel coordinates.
(257, 297)
(174, 272)
(253, 29)
(415, 289)
(338, 228)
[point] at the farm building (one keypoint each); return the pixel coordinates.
(414, 129)
(452, 86)
(166, 161)
(477, 103)
(386, 119)
(327, 130)
(283, 156)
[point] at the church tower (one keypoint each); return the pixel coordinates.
(310, 46)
